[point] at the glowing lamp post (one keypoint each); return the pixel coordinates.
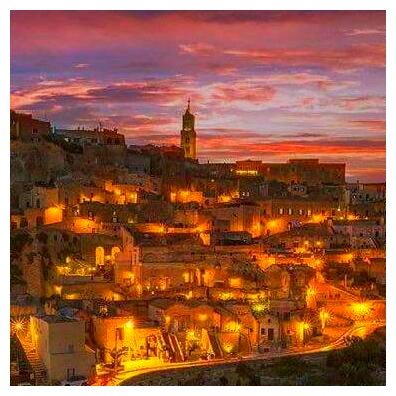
(310, 298)
(324, 316)
(303, 327)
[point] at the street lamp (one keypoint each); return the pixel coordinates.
(16, 326)
(303, 327)
(324, 316)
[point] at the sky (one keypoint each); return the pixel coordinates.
(266, 85)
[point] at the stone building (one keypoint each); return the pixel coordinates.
(239, 217)
(60, 344)
(26, 128)
(97, 136)
(303, 208)
(131, 335)
(362, 233)
(309, 172)
(305, 171)
(39, 197)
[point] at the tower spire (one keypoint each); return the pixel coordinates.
(188, 134)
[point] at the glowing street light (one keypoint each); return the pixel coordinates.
(303, 326)
(129, 324)
(361, 309)
(17, 325)
(324, 316)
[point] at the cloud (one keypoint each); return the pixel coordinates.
(354, 57)
(81, 66)
(200, 49)
(365, 32)
(362, 102)
(338, 146)
(314, 83)
(163, 91)
(370, 125)
(51, 90)
(243, 91)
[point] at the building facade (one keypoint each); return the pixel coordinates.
(60, 344)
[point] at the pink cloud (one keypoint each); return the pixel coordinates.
(200, 49)
(81, 66)
(364, 32)
(353, 57)
(243, 92)
(362, 102)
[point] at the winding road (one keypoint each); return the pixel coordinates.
(361, 329)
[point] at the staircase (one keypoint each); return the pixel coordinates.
(178, 352)
(173, 346)
(214, 341)
(38, 368)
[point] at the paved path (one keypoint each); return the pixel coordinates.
(359, 329)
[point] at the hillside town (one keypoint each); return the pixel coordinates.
(127, 257)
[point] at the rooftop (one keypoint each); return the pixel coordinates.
(159, 239)
(57, 319)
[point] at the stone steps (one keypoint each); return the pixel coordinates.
(40, 373)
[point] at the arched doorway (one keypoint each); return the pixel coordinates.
(114, 251)
(99, 256)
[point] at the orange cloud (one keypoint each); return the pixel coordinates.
(370, 125)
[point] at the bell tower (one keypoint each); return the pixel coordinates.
(188, 136)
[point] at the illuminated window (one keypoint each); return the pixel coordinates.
(281, 211)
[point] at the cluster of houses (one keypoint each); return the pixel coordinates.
(125, 253)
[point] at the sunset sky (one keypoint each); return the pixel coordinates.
(265, 85)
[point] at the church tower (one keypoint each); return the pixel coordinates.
(188, 136)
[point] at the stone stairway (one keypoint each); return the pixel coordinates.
(38, 368)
